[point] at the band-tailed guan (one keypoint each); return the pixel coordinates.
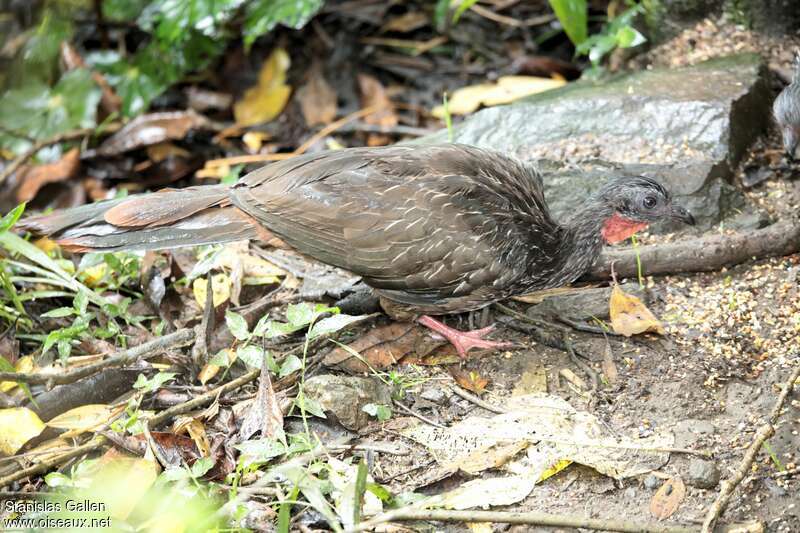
(433, 229)
(786, 109)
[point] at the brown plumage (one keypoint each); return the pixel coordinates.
(433, 229)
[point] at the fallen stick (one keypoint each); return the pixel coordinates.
(763, 433)
(144, 350)
(703, 253)
(537, 518)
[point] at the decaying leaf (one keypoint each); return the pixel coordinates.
(220, 286)
(410, 21)
(317, 98)
(18, 425)
(494, 456)
(507, 89)
(532, 379)
(552, 431)
(378, 349)
(36, 177)
(608, 365)
(469, 379)
(668, 498)
(629, 316)
(373, 94)
(265, 413)
(153, 128)
(269, 96)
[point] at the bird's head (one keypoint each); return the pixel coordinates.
(635, 202)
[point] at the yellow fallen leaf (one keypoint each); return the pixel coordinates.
(256, 271)
(555, 469)
(265, 100)
(24, 364)
(254, 140)
(210, 370)
(46, 245)
(506, 90)
(220, 287)
(197, 431)
(630, 316)
(18, 425)
(93, 275)
(85, 417)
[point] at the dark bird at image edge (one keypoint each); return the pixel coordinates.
(433, 229)
(786, 109)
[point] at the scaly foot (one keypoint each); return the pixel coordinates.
(463, 341)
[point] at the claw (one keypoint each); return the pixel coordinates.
(463, 341)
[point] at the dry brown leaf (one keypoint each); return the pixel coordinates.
(36, 177)
(373, 94)
(469, 379)
(413, 20)
(668, 498)
(507, 89)
(265, 413)
(72, 60)
(380, 347)
(197, 431)
(153, 128)
(494, 456)
(161, 151)
(629, 316)
(269, 96)
(317, 98)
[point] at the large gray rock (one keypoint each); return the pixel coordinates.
(689, 127)
(345, 396)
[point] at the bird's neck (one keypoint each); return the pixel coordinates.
(584, 239)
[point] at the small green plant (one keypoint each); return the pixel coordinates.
(448, 119)
(618, 32)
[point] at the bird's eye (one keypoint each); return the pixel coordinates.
(650, 202)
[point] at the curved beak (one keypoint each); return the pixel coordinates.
(679, 213)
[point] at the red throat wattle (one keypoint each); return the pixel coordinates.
(618, 228)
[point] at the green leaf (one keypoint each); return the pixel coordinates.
(262, 16)
(379, 411)
(332, 324)
(309, 405)
(462, 7)
(252, 356)
(153, 384)
(628, 37)
(572, 14)
(285, 512)
(360, 488)
(290, 364)
(123, 10)
(201, 466)
(380, 492)
(8, 221)
(59, 312)
(80, 303)
(237, 325)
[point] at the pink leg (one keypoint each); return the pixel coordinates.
(462, 340)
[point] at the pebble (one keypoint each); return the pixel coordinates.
(434, 394)
(702, 474)
(651, 482)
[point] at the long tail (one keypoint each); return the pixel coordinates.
(166, 219)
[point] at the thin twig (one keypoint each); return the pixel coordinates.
(509, 21)
(47, 464)
(477, 401)
(417, 415)
(763, 433)
(145, 350)
(588, 370)
(537, 518)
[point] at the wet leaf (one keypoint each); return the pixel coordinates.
(629, 316)
(261, 17)
(267, 99)
(18, 425)
(507, 89)
(150, 129)
(317, 98)
(36, 177)
(668, 498)
(10, 218)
